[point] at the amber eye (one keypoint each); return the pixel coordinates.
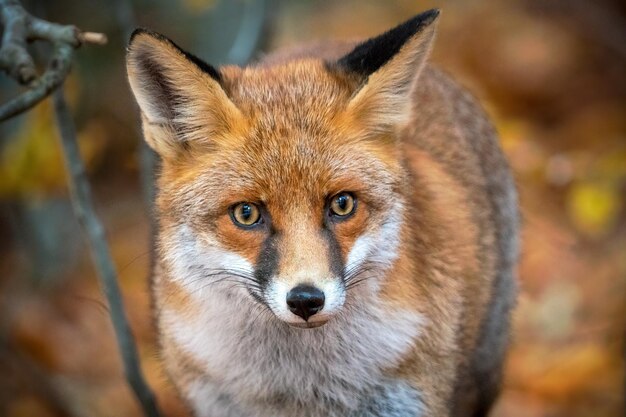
(245, 214)
(342, 205)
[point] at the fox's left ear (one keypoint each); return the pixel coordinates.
(388, 66)
(182, 99)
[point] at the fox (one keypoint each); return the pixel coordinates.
(337, 230)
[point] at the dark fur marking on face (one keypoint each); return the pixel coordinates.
(267, 262)
(335, 260)
(372, 54)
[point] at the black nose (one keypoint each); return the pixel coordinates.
(305, 300)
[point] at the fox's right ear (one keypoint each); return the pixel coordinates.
(181, 97)
(388, 67)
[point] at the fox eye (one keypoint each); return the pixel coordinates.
(245, 214)
(342, 204)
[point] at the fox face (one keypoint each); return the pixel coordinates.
(285, 185)
(290, 206)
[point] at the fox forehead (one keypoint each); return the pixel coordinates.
(294, 92)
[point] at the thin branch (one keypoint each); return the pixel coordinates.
(93, 38)
(20, 28)
(84, 210)
(58, 68)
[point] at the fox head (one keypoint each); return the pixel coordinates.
(284, 184)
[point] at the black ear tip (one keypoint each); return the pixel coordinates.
(144, 31)
(432, 13)
(370, 55)
(426, 18)
(136, 32)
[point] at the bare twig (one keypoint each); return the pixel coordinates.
(55, 74)
(93, 38)
(84, 210)
(20, 28)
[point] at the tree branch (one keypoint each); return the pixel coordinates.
(58, 68)
(20, 28)
(84, 210)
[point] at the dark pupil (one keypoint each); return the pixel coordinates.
(246, 211)
(342, 202)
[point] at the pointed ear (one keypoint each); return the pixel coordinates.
(388, 66)
(181, 98)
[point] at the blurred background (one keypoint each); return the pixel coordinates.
(552, 75)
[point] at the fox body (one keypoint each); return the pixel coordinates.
(337, 230)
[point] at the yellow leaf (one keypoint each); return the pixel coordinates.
(593, 206)
(31, 161)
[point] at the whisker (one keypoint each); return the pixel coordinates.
(356, 275)
(262, 309)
